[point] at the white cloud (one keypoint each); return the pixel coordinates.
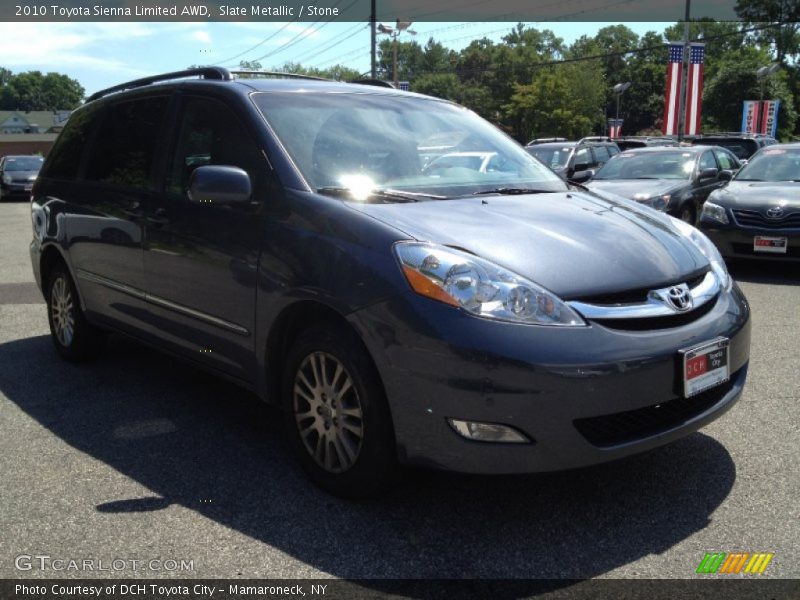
(201, 36)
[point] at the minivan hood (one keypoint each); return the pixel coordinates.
(629, 188)
(573, 243)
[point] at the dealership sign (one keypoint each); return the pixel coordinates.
(750, 116)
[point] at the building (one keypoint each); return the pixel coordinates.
(31, 132)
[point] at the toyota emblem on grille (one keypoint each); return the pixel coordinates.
(677, 297)
(776, 212)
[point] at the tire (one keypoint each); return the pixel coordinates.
(688, 214)
(336, 415)
(74, 337)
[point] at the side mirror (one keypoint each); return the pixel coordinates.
(581, 167)
(582, 176)
(708, 174)
(219, 185)
(725, 175)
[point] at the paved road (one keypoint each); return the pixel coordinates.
(140, 457)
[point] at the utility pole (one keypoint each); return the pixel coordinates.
(684, 87)
(373, 38)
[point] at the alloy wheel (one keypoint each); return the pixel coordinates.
(327, 412)
(63, 312)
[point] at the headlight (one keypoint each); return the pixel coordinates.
(7, 179)
(708, 249)
(479, 286)
(657, 202)
(715, 212)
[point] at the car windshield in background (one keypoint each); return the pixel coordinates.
(34, 163)
(773, 164)
(743, 149)
(424, 148)
(555, 158)
(648, 165)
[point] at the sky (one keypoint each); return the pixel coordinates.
(100, 55)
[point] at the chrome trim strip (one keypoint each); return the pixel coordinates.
(164, 303)
(704, 291)
(201, 316)
(110, 283)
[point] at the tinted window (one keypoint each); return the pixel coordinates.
(126, 142)
(555, 158)
(583, 159)
(648, 165)
(707, 161)
(725, 160)
(613, 150)
(210, 134)
(65, 157)
(601, 153)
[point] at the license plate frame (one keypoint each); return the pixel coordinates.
(770, 244)
(701, 369)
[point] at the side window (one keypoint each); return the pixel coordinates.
(65, 157)
(126, 142)
(210, 134)
(613, 150)
(582, 157)
(707, 161)
(601, 154)
(725, 160)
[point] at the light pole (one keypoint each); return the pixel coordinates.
(394, 32)
(619, 89)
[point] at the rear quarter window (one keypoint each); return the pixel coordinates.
(64, 159)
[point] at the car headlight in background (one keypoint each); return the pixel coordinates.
(708, 249)
(657, 202)
(479, 286)
(715, 212)
(7, 179)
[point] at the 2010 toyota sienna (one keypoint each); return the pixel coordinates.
(285, 234)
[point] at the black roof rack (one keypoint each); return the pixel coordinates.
(278, 75)
(205, 72)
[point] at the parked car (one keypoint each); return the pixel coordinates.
(487, 322)
(630, 142)
(743, 145)
(757, 215)
(17, 174)
(573, 161)
(674, 180)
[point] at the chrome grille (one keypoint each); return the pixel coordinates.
(753, 218)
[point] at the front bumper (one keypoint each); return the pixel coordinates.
(734, 241)
(16, 190)
(437, 362)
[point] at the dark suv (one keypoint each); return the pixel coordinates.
(287, 235)
(743, 145)
(573, 161)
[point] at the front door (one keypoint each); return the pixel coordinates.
(200, 260)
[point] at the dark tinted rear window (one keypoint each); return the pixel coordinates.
(65, 157)
(742, 148)
(126, 142)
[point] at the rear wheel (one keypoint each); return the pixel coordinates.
(73, 336)
(336, 413)
(688, 214)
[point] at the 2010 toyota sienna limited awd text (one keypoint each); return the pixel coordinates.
(285, 234)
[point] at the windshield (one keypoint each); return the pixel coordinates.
(555, 158)
(401, 143)
(773, 164)
(648, 165)
(24, 163)
(743, 149)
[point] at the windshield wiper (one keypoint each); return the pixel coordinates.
(388, 193)
(511, 191)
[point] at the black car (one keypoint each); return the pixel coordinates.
(284, 234)
(17, 174)
(674, 180)
(743, 145)
(757, 215)
(573, 161)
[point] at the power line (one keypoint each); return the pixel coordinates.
(315, 53)
(261, 43)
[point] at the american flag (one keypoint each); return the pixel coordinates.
(672, 101)
(694, 95)
(614, 128)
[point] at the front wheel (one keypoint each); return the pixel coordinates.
(73, 336)
(336, 413)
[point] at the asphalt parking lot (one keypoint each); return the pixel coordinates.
(141, 457)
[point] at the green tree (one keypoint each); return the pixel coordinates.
(34, 91)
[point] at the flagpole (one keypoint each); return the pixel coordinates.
(683, 87)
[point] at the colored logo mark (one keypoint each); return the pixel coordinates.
(735, 562)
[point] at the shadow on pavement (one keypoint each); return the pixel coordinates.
(772, 272)
(200, 442)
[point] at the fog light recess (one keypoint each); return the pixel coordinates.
(488, 432)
